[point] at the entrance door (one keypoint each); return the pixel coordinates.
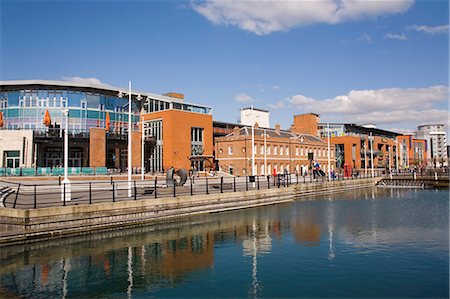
(12, 159)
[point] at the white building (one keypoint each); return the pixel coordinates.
(16, 148)
(250, 116)
(436, 138)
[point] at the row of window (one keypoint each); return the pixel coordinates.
(284, 150)
(260, 169)
(58, 98)
(151, 105)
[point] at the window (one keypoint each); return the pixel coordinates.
(196, 141)
(301, 151)
(296, 151)
(261, 150)
(197, 134)
(268, 149)
(230, 150)
(287, 151)
(281, 150)
(274, 149)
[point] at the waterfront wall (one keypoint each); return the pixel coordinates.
(22, 226)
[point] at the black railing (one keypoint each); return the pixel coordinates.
(44, 195)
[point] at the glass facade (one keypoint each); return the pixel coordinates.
(25, 109)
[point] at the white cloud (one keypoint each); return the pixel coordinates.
(91, 80)
(407, 107)
(430, 29)
(243, 98)
(265, 17)
(395, 36)
(277, 105)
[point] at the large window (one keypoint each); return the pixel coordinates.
(196, 141)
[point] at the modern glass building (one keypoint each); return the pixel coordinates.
(24, 104)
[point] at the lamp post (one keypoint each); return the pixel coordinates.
(66, 188)
(265, 152)
(129, 139)
(253, 143)
(142, 151)
(371, 153)
(329, 152)
(396, 155)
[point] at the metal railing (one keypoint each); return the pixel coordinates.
(43, 195)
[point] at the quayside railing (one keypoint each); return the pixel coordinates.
(34, 195)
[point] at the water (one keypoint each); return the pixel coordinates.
(371, 243)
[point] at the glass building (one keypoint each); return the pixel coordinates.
(24, 104)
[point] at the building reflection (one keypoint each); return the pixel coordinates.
(155, 257)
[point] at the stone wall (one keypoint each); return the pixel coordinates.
(22, 226)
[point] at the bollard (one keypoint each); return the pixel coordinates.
(234, 184)
(207, 191)
(174, 188)
(156, 179)
(59, 180)
(268, 182)
(257, 181)
(246, 183)
(192, 191)
(111, 180)
(221, 184)
(135, 190)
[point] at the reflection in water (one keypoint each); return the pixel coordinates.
(130, 272)
(286, 246)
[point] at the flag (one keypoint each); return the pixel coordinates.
(108, 121)
(1, 119)
(47, 119)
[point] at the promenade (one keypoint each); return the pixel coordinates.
(44, 192)
(39, 210)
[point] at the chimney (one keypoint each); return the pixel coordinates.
(306, 123)
(256, 126)
(277, 128)
(236, 131)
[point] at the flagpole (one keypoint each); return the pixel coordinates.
(129, 139)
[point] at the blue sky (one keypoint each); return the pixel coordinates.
(383, 62)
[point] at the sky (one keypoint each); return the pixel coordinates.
(350, 61)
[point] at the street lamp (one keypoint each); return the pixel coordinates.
(371, 153)
(329, 152)
(129, 139)
(66, 188)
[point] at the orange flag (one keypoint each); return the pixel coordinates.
(1, 119)
(108, 121)
(47, 119)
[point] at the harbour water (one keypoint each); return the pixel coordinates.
(369, 243)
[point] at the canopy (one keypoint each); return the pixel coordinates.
(47, 119)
